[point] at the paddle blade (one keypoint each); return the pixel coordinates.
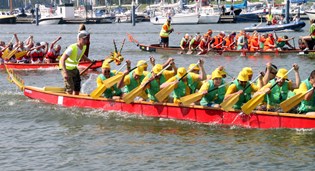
(187, 100)
(227, 105)
(292, 102)
(128, 98)
(8, 56)
(248, 107)
(98, 91)
(106, 84)
(162, 94)
(54, 89)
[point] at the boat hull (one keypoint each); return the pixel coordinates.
(198, 114)
(177, 19)
(295, 26)
(177, 50)
(7, 19)
(50, 20)
(21, 66)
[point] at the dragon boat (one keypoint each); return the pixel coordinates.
(177, 50)
(199, 114)
(29, 66)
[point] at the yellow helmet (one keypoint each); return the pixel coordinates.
(105, 65)
(181, 72)
(196, 67)
(242, 76)
(282, 73)
(139, 70)
(215, 74)
(142, 63)
(157, 68)
(248, 70)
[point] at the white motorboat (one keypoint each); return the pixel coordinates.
(208, 15)
(178, 18)
(50, 20)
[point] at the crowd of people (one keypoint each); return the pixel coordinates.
(215, 87)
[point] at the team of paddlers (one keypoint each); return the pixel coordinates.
(213, 89)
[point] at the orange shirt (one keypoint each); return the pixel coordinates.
(254, 43)
(269, 44)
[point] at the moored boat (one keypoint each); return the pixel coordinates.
(7, 19)
(295, 26)
(29, 66)
(199, 114)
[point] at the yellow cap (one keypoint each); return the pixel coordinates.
(215, 74)
(142, 63)
(105, 65)
(248, 70)
(181, 72)
(242, 76)
(157, 68)
(139, 70)
(196, 67)
(221, 72)
(282, 73)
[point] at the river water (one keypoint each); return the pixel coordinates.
(39, 136)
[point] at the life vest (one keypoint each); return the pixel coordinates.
(37, 55)
(112, 91)
(184, 42)
(312, 30)
(133, 83)
(165, 33)
(228, 43)
(180, 91)
(244, 97)
(203, 44)
(51, 54)
(73, 60)
(269, 17)
(254, 44)
(194, 43)
(307, 106)
(269, 42)
(262, 42)
(280, 43)
(213, 96)
(278, 94)
(155, 87)
(217, 40)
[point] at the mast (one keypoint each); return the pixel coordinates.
(11, 7)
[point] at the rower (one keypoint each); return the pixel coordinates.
(270, 43)
(238, 86)
(310, 39)
(282, 90)
(131, 80)
(218, 40)
(37, 53)
(112, 92)
(242, 41)
(21, 53)
(188, 84)
(53, 52)
(184, 43)
(282, 41)
(270, 72)
(254, 43)
(194, 42)
(262, 40)
(308, 104)
(8, 51)
(229, 42)
(203, 45)
(153, 81)
(213, 98)
(166, 30)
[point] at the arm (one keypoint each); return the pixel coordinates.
(297, 77)
(267, 74)
(202, 75)
(54, 42)
(63, 65)
(85, 58)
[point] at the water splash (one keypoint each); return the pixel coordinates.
(90, 84)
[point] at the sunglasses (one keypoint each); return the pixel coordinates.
(107, 71)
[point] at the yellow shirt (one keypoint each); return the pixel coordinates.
(167, 74)
(195, 78)
(232, 89)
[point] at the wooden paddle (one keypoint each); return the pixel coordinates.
(129, 97)
(249, 106)
(189, 99)
(87, 68)
(228, 104)
(162, 94)
(293, 101)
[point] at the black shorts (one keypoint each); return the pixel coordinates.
(164, 40)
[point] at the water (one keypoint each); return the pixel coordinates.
(39, 136)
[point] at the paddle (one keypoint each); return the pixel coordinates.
(131, 39)
(249, 106)
(92, 63)
(293, 101)
(187, 100)
(128, 98)
(228, 104)
(162, 94)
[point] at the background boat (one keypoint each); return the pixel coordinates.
(7, 19)
(293, 26)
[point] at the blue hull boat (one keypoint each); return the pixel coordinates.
(295, 26)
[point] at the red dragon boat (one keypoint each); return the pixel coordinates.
(29, 66)
(200, 114)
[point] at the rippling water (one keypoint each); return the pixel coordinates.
(39, 136)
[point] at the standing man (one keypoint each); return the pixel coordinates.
(165, 32)
(69, 62)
